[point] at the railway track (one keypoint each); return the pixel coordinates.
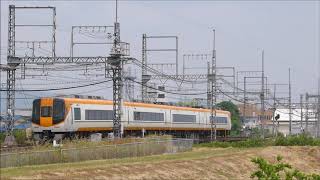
(15, 149)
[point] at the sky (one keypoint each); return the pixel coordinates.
(287, 31)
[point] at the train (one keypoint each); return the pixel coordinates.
(67, 117)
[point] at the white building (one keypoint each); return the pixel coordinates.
(298, 124)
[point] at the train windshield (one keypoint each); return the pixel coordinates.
(36, 111)
(58, 111)
(46, 111)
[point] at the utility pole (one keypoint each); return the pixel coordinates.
(209, 86)
(213, 110)
(290, 108)
(274, 109)
(318, 109)
(244, 98)
(301, 112)
(307, 112)
(144, 78)
(262, 96)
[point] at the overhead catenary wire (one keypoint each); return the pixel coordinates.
(186, 94)
(64, 88)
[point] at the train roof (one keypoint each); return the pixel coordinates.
(137, 104)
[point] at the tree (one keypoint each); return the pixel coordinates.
(278, 170)
(235, 115)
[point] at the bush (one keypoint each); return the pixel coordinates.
(20, 136)
(253, 142)
(279, 170)
(297, 140)
(2, 136)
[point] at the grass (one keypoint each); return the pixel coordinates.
(29, 170)
(199, 163)
(80, 142)
(82, 151)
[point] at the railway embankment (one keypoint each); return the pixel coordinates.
(200, 163)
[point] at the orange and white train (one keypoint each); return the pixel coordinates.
(60, 117)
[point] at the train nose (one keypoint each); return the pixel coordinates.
(46, 121)
(46, 112)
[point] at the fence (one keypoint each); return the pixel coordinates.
(136, 149)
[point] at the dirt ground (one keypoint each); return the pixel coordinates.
(201, 163)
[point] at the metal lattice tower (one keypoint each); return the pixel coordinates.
(213, 94)
(116, 60)
(144, 77)
(116, 67)
(13, 62)
(11, 71)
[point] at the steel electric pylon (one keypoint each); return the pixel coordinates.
(11, 71)
(116, 61)
(116, 66)
(213, 93)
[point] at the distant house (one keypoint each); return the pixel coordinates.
(251, 115)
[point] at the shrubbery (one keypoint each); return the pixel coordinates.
(254, 142)
(20, 135)
(297, 140)
(279, 170)
(2, 136)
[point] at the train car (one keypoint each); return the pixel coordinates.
(61, 117)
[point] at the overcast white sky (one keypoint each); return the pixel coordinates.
(288, 31)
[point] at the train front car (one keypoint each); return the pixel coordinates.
(48, 118)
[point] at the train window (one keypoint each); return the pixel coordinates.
(46, 111)
(99, 114)
(36, 111)
(58, 111)
(184, 118)
(221, 120)
(77, 114)
(148, 116)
